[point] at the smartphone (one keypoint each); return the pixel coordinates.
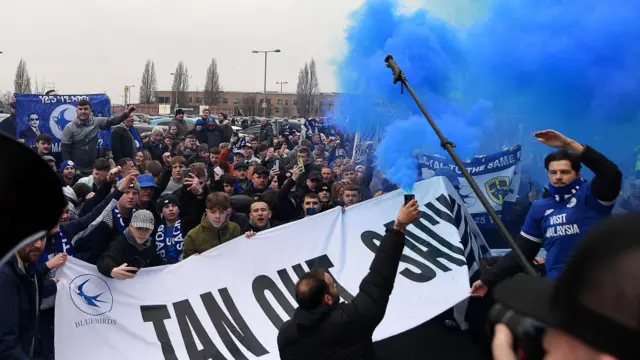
(276, 164)
(218, 170)
(408, 198)
(310, 211)
(186, 172)
(300, 162)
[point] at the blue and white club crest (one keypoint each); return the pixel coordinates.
(91, 294)
(60, 117)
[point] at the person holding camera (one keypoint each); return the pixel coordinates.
(558, 221)
(324, 328)
(592, 310)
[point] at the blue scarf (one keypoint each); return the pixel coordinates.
(169, 242)
(63, 245)
(563, 193)
(118, 220)
(136, 137)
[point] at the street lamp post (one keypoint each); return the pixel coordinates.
(129, 100)
(265, 52)
(281, 83)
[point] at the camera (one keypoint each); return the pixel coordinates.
(527, 333)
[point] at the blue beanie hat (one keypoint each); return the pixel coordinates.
(65, 164)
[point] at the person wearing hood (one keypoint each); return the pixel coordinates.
(132, 250)
(214, 229)
(200, 131)
(181, 125)
(125, 140)
(324, 328)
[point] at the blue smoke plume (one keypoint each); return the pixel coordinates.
(521, 66)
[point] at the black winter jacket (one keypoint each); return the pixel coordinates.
(344, 331)
(121, 251)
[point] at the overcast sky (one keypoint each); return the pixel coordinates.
(94, 46)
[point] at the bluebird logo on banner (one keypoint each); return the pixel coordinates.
(60, 117)
(91, 295)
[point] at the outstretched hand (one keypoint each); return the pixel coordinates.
(557, 140)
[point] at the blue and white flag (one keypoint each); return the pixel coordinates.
(498, 175)
(36, 114)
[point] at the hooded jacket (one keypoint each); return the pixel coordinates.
(344, 331)
(205, 237)
(123, 145)
(215, 134)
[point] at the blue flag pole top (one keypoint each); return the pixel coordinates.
(37, 114)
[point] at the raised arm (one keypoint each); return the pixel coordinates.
(370, 304)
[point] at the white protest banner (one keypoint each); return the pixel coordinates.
(497, 175)
(228, 303)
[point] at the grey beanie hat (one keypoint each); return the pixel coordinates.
(142, 219)
(135, 185)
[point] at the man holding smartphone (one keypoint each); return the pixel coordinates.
(132, 250)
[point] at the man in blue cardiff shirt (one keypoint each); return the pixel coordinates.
(558, 221)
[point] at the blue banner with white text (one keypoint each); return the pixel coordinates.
(36, 114)
(497, 175)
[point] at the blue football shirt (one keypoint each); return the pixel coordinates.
(559, 226)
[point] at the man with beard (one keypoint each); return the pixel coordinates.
(68, 173)
(169, 235)
(22, 289)
(324, 328)
(43, 145)
(214, 229)
(327, 176)
(559, 220)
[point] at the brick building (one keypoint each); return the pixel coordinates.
(249, 103)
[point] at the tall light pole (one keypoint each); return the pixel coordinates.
(265, 52)
(281, 83)
(130, 87)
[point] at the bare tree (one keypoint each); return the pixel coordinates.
(314, 88)
(212, 88)
(307, 89)
(5, 98)
(302, 91)
(148, 84)
(22, 82)
(180, 85)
